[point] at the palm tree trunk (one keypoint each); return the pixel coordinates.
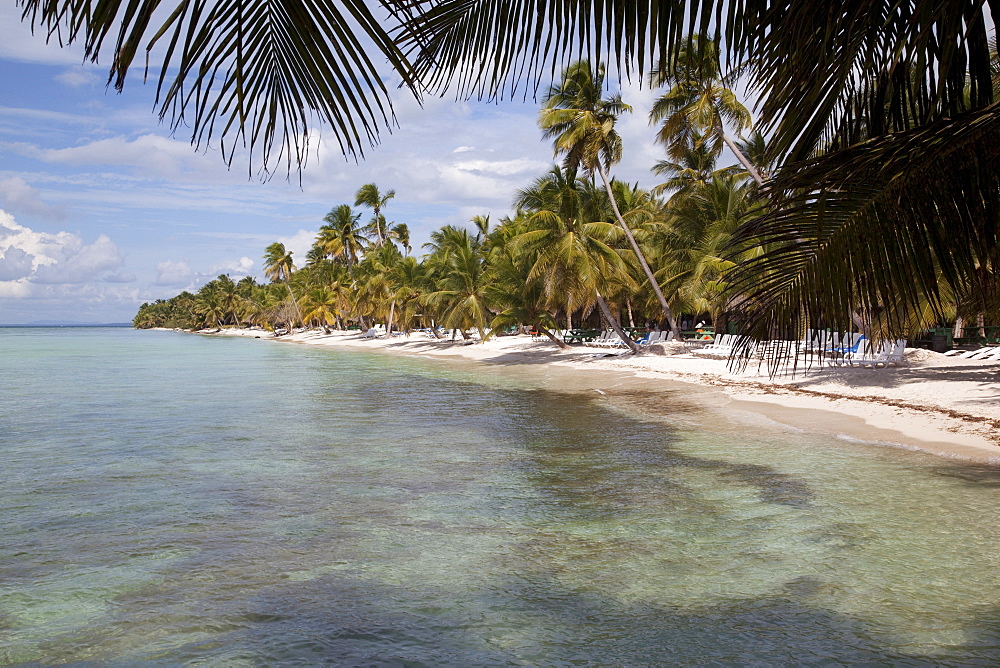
(638, 253)
(633, 346)
(742, 158)
(294, 303)
(861, 324)
(552, 337)
(392, 313)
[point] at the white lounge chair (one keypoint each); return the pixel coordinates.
(657, 337)
(888, 352)
(608, 339)
(722, 346)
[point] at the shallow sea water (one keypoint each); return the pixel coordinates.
(175, 499)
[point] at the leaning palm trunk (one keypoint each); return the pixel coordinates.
(642, 258)
(552, 337)
(615, 325)
(295, 304)
(742, 158)
(392, 313)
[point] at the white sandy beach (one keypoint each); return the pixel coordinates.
(935, 403)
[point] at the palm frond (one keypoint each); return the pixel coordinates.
(882, 228)
(454, 43)
(256, 75)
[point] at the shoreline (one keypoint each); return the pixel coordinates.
(936, 404)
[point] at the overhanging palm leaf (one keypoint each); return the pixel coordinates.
(880, 228)
(494, 48)
(254, 74)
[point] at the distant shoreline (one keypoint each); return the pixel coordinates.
(937, 404)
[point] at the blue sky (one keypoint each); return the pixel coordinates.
(101, 209)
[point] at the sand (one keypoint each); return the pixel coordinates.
(933, 403)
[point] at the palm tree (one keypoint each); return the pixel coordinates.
(278, 266)
(323, 304)
(369, 195)
(699, 103)
(581, 124)
(516, 300)
(341, 237)
(692, 169)
(575, 259)
(700, 242)
(400, 233)
(461, 291)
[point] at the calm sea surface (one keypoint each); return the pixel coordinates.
(171, 499)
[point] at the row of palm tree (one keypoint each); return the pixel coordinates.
(571, 247)
(578, 249)
(883, 202)
(560, 261)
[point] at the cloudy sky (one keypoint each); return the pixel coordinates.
(101, 209)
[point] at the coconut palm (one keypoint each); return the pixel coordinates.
(581, 124)
(575, 256)
(323, 304)
(342, 237)
(694, 168)
(254, 74)
(369, 195)
(881, 133)
(694, 111)
(460, 294)
(517, 300)
(278, 266)
(400, 233)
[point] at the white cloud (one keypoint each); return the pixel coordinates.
(502, 167)
(170, 272)
(299, 244)
(57, 259)
(15, 263)
(19, 197)
(77, 77)
(80, 263)
(242, 266)
(149, 153)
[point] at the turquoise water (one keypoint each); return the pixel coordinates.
(170, 499)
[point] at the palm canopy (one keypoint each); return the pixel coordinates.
(342, 236)
(580, 121)
(254, 74)
(698, 103)
(278, 265)
(369, 195)
(842, 87)
(572, 247)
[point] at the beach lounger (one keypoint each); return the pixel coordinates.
(656, 337)
(852, 345)
(888, 352)
(608, 339)
(987, 351)
(721, 347)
